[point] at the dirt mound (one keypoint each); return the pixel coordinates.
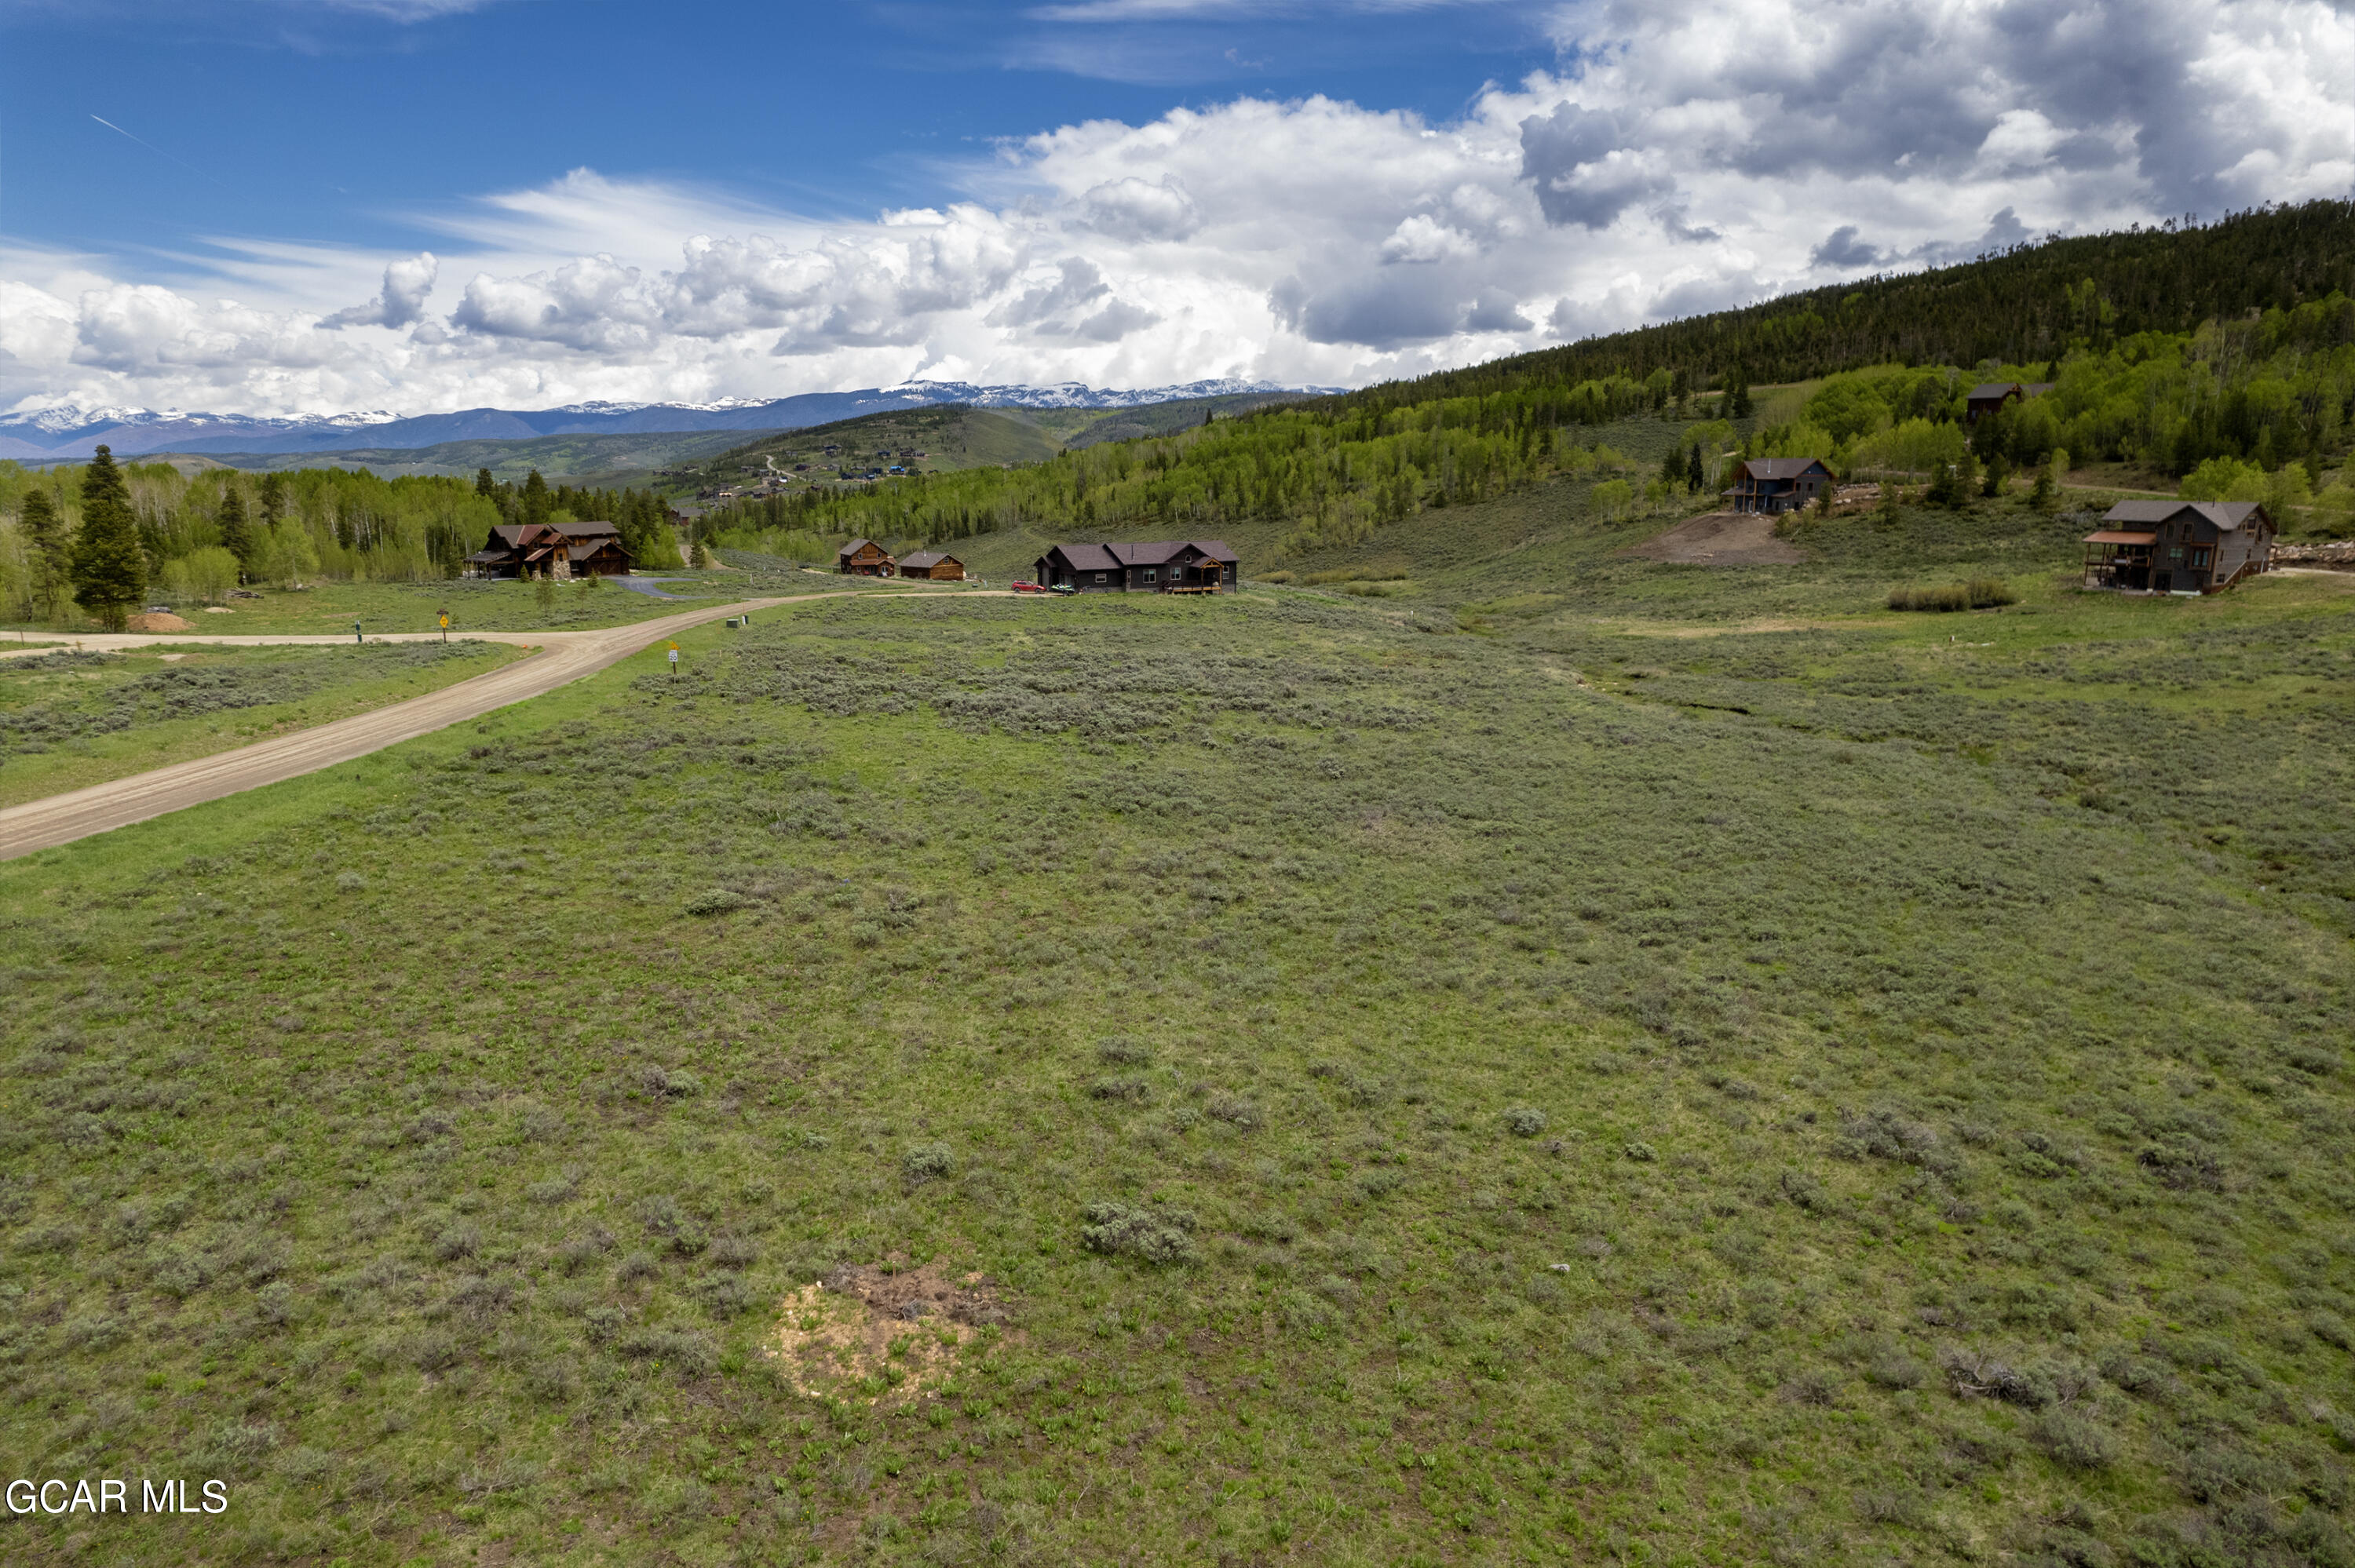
(158, 620)
(1721, 539)
(879, 1331)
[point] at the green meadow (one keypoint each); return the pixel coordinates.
(1566, 1059)
(69, 719)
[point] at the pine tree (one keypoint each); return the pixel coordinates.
(50, 551)
(236, 537)
(110, 571)
(537, 501)
(1696, 474)
(273, 499)
(485, 485)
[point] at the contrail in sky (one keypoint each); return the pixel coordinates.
(151, 146)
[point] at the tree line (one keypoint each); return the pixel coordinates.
(109, 536)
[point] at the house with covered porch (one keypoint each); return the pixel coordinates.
(1777, 484)
(1169, 566)
(2179, 547)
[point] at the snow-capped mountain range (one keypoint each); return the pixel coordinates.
(69, 433)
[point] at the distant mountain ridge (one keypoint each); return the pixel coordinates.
(60, 433)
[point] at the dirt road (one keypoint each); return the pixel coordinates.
(566, 657)
(1721, 539)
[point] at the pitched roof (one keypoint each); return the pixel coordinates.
(1154, 552)
(858, 545)
(1987, 391)
(923, 558)
(1781, 467)
(586, 530)
(1119, 554)
(2225, 514)
(1086, 558)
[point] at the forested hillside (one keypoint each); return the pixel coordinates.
(2029, 302)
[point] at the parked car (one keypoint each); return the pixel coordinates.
(1020, 586)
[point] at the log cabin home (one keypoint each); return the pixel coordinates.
(557, 550)
(1989, 396)
(2179, 547)
(934, 566)
(865, 559)
(1777, 484)
(1169, 566)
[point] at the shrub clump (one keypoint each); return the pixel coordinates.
(687, 1354)
(1979, 593)
(1525, 1121)
(2074, 1442)
(716, 901)
(1163, 1236)
(927, 1163)
(670, 1082)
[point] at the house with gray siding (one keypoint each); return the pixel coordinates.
(2179, 547)
(1777, 484)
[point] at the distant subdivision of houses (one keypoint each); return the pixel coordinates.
(1173, 565)
(2179, 547)
(557, 550)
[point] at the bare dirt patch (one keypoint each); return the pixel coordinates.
(880, 1333)
(158, 620)
(1721, 539)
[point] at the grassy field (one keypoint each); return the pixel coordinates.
(70, 719)
(1582, 1061)
(330, 608)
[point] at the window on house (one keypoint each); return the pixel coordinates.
(1148, 574)
(1100, 577)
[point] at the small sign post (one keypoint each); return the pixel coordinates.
(674, 658)
(445, 628)
(355, 632)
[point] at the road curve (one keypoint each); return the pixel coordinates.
(565, 657)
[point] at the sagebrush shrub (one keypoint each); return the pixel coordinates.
(1525, 1121)
(927, 1163)
(2072, 1441)
(1163, 1236)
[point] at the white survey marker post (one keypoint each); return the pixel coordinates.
(674, 658)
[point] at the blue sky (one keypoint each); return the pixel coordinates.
(326, 206)
(331, 124)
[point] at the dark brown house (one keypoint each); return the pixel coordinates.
(1989, 396)
(1179, 566)
(934, 566)
(2179, 547)
(552, 550)
(865, 559)
(1777, 484)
